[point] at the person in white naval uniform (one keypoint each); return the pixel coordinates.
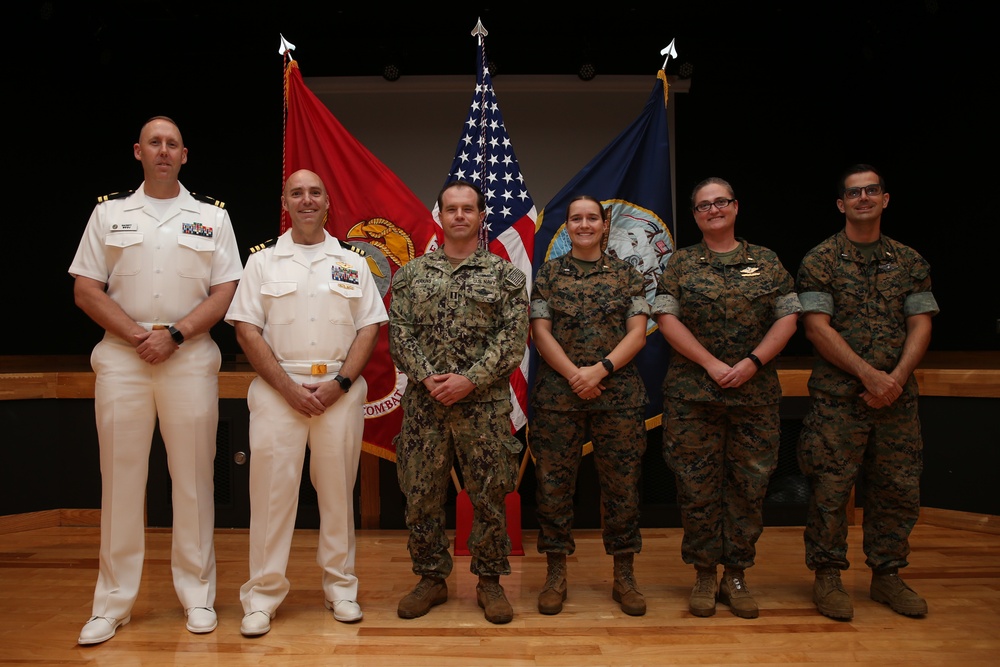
(307, 315)
(156, 268)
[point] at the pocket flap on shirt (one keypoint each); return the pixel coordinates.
(278, 288)
(196, 243)
(123, 239)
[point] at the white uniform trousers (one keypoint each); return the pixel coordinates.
(278, 439)
(130, 395)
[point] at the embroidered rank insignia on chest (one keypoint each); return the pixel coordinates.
(125, 227)
(886, 267)
(344, 273)
(750, 271)
(196, 229)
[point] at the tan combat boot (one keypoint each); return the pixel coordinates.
(733, 591)
(490, 595)
(702, 602)
(554, 590)
(829, 595)
(888, 588)
(428, 592)
(624, 589)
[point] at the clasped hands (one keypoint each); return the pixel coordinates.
(586, 382)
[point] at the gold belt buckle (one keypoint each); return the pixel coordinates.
(318, 369)
(157, 327)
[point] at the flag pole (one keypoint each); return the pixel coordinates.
(285, 49)
(670, 51)
(480, 33)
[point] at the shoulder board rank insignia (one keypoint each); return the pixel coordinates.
(114, 195)
(352, 248)
(209, 200)
(261, 246)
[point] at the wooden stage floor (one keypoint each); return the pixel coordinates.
(48, 574)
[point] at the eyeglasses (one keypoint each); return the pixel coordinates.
(872, 190)
(720, 204)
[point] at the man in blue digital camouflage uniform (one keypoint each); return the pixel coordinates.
(458, 323)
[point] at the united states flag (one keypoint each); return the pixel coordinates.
(485, 157)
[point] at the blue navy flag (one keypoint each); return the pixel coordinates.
(485, 157)
(632, 176)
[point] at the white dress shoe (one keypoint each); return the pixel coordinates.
(345, 611)
(201, 620)
(256, 623)
(100, 629)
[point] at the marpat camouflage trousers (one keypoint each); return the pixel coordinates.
(842, 436)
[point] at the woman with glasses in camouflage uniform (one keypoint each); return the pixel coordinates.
(727, 308)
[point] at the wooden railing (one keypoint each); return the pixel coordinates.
(955, 374)
(958, 374)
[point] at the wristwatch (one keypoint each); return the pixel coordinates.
(176, 334)
(345, 383)
(608, 366)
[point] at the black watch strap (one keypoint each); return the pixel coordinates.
(608, 366)
(176, 334)
(344, 382)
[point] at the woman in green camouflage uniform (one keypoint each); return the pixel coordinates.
(588, 320)
(727, 308)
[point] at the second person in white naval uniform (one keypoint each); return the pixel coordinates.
(307, 315)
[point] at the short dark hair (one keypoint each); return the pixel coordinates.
(859, 168)
(480, 197)
(712, 180)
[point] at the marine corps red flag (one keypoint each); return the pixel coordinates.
(371, 209)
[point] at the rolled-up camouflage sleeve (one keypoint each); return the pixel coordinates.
(921, 301)
(787, 304)
(506, 350)
(666, 302)
(812, 284)
(540, 296)
(640, 304)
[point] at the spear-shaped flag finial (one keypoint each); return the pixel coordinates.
(287, 46)
(479, 31)
(669, 52)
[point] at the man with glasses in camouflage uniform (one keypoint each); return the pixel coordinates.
(866, 308)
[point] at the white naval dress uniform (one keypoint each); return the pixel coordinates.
(309, 308)
(158, 270)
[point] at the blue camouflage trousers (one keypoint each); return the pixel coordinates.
(431, 438)
(841, 437)
(722, 457)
